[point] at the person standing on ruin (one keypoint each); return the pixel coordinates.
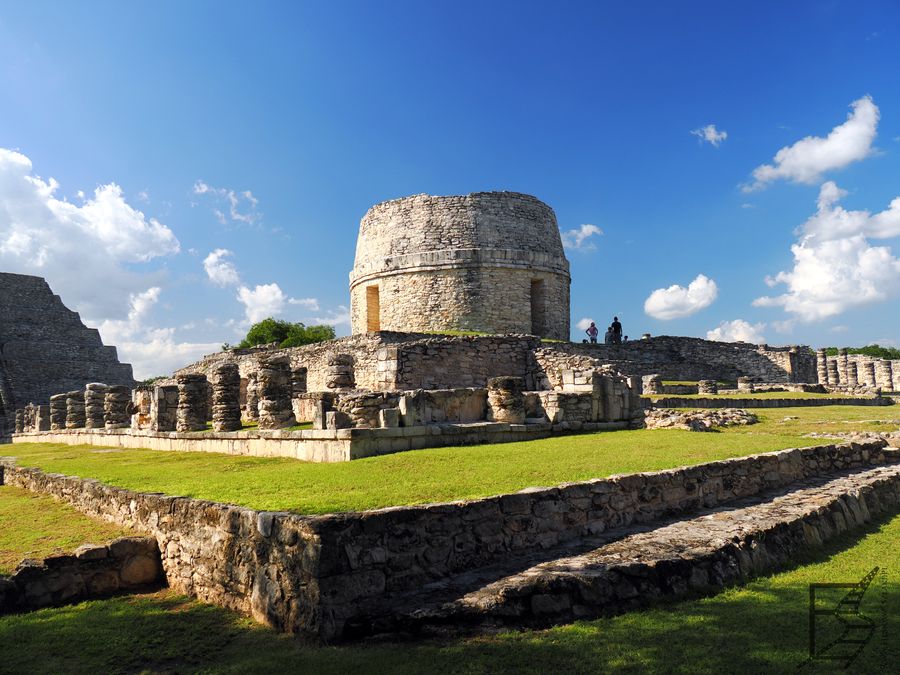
(592, 333)
(609, 336)
(616, 328)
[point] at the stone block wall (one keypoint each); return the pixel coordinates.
(45, 347)
(92, 571)
(489, 261)
(332, 576)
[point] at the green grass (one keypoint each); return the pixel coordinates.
(438, 474)
(35, 526)
(761, 394)
(760, 628)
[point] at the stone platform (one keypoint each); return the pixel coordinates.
(317, 445)
(723, 402)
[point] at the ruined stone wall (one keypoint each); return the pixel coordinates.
(490, 262)
(332, 575)
(45, 348)
(681, 358)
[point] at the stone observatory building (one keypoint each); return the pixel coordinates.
(490, 262)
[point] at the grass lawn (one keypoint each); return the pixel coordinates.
(438, 474)
(35, 526)
(761, 394)
(760, 628)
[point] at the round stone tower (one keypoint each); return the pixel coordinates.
(490, 262)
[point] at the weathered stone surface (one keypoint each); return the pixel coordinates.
(94, 405)
(274, 382)
(117, 407)
(697, 420)
(226, 405)
(46, 348)
(489, 261)
(251, 409)
(506, 400)
(91, 572)
(75, 417)
(707, 387)
(58, 411)
(346, 570)
(192, 403)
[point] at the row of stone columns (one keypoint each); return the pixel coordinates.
(867, 373)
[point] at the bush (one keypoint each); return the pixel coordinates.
(285, 334)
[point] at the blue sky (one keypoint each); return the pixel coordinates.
(260, 133)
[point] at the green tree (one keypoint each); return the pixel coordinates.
(285, 334)
(875, 351)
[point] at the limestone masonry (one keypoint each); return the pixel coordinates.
(45, 349)
(490, 262)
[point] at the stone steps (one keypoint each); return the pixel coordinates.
(635, 567)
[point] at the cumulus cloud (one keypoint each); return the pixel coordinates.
(241, 205)
(806, 160)
(835, 265)
(261, 302)
(584, 324)
(711, 135)
(577, 239)
(334, 317)
(220, 271)
(677, 302)
(86, 252)
(151, 351)
(737, 331)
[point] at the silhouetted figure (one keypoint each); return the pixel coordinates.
(609, 337)
(616, 328)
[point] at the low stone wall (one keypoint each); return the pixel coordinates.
(126, 564)
(329, 575)
(721, 402)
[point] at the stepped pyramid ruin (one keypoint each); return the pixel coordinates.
(45, 348)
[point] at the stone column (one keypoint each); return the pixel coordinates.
(822, 366)
(251, 408)
(226, 406)
(29, 417)
(842, 365)
(869, 374)
(707, 387)
(884, 376)
(340, 372)
(42, 418)
(164, 408)
(20, 421)
(506, 400)
(745, 384)
(852, 374)
(117, 407)
(895, 371)
(94, 405)
(833, 378)
(191, 402)
(58, 412)
(75, 410)
(298, 381)
(653, 384)
(274, 382)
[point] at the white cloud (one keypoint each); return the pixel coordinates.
(150, 351)
(87, 253)
(737, 331)
(262, 302)
(577, 239)
(839, 329)
(677, 302)
(241, 205)
(220, 271)
(711, 135)
(334, 317)
(835, 266)
(806, 160)
(584, 324)
(311, 304)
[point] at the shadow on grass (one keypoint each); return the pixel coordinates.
(759, 628)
